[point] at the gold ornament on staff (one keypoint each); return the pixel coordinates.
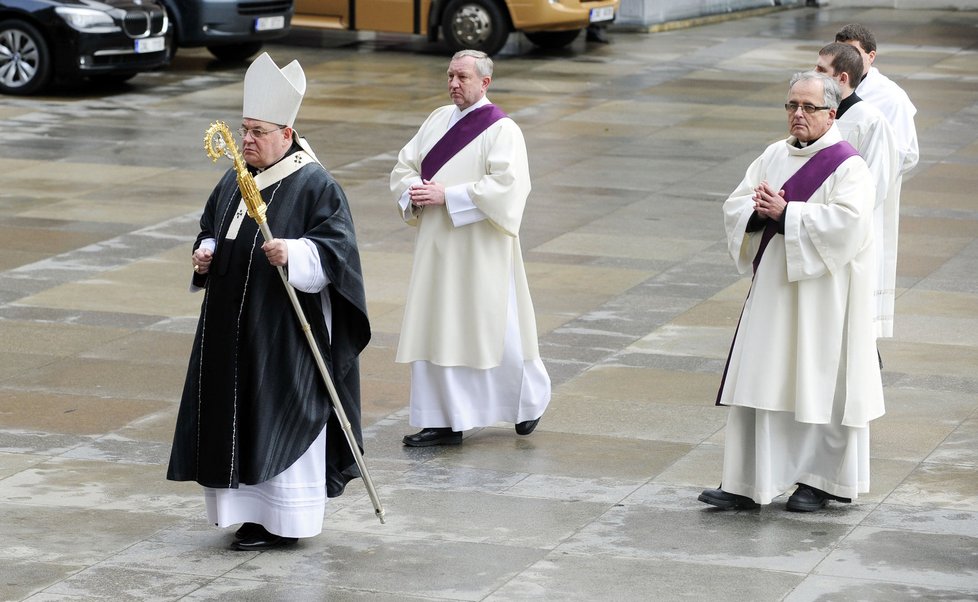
(219, 142)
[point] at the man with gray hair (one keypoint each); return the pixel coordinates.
(469, 329)
(255, 426)
(802, 380)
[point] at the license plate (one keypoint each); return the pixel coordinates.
(268, 23)
(605, 13)
(150, 45)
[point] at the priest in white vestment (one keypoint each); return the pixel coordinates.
(802, 381)
(469, 329)
(866, 128)
(894, 103)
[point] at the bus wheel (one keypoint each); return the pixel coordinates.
(474, 24)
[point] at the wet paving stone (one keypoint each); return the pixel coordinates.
(633, 147)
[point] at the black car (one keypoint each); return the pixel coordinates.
(232, 30)
(46, 40)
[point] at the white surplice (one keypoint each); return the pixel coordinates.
(766, 453)
(895, 104)
(867, 129)
(464, 398)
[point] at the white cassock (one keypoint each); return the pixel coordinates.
(293, 502)
(867, 129)
(469, 328)
(881, 92)
(803, 380)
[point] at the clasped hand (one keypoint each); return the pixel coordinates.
(768, 203)
(427, 193)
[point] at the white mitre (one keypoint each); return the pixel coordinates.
(272, 94)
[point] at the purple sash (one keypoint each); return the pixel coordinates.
(458, 137)
(802, 185)
(798, 189)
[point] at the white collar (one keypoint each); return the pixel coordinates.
(829, 138)
(458, 114)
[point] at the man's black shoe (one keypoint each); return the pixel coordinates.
(526, 427)
(250, 530)
(727, 501)
(254, 537)
(808, 499)
(266, 542)
(433, 436)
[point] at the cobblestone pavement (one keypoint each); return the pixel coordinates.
(633, 147)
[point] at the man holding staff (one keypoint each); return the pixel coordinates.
(255, 427)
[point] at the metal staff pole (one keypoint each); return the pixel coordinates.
(226, 147)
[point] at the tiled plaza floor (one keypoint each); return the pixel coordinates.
(633, 147)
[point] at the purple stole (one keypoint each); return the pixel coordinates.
(458, 137)
(798, 189)
(802, 185)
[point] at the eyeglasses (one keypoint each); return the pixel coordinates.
(257, 133)
(791, 107)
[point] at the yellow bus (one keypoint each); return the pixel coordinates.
(476, 24)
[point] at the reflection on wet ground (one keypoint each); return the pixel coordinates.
(633, 147)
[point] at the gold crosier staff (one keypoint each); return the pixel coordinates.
(224, 146)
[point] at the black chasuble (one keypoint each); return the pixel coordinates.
(254, 400)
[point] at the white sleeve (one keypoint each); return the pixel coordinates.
(460, 206)
(910, 153)
(304, 269)
(408, 210)
(823, 236)
(737, 211)
(210, 244)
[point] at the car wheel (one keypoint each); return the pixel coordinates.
(552, 39)
(25, 62)
(235, 52)
(171, 48)
(474, 24)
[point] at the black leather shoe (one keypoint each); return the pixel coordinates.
(434, 436)
(526, 427)
(250, 530)
(808, 499)
(727, 501)
(258, 539)
(263, 542)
